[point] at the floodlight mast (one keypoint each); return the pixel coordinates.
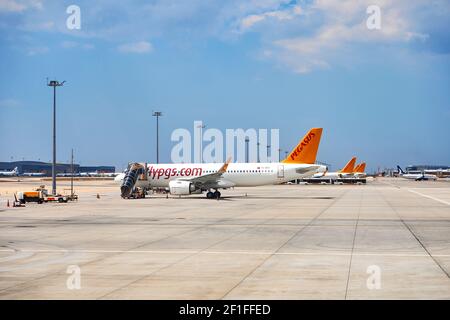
(157, 114)
(54, 84)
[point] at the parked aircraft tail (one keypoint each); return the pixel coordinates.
(360, 168)
(400, 171)
(349, 167)
(306, 150)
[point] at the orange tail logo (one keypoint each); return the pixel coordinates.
(306, 150)
(349, 166)
(357, 168)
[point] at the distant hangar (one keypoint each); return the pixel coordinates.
(46, 167)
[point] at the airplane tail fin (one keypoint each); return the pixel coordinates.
(349, 166)
(362, 168)
(400, 170)
(357, 167)
(306, 150)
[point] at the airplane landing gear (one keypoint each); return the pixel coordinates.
(213, 195)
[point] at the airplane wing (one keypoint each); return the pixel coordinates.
(209, 180)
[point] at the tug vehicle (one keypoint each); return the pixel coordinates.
(40, 195)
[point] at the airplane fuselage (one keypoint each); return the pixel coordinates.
(7, 174)
(236, 175)
(11, 173)
(418, 176)
(33, 174)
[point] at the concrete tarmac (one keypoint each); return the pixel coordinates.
(389, 239)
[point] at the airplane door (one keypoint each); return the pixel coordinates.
(280, 173)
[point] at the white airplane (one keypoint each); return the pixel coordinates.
(99, 174)
(415, 176)
(33, 174)
(196, 178)
(345, 172)
(12, 173)
(110, 174)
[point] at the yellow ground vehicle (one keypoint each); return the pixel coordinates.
(40, 195)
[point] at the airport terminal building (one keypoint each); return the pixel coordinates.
(423, 167)
(46, 167)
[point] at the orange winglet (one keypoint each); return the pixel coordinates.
(349, 166)
(306, 150)
(225, 166)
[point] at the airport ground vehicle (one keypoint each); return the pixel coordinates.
(40, 195)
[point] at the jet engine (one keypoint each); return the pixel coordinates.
(181, 187)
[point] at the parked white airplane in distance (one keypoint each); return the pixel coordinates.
(33, 174)
(345, 172)
(98, 174)
(109, 174)
(196, 178)
(415, 176)
(12, 173)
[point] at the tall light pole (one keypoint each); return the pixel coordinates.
(157, 114)
(246, 148)
(257, 152)
(279, 154)
(201, 127)
(54, 84)
(268, 151)
(71, 174)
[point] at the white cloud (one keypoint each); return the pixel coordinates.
(69, 44)
(9, 103)
(250, 20)
(343, 28)
(88, 46)
(48, 25)
(282, 14)
(304, 36)
(11, 6)
(136, 47)
(19, 6)
(32, 51)
(74, 44)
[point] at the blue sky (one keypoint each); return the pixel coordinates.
(382, 95)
